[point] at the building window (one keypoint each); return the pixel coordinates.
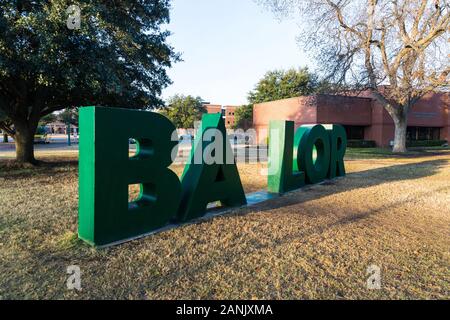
(423, 133)
(354, 132)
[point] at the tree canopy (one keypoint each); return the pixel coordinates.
(283, 84)
(117, 58)
(48, 119)
(243, 117)
(69, 116)
(396, 49)
(184, 111)
(277, 85)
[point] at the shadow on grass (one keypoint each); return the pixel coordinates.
(12, 169)
(232, 255)
(360, 180)
(363, 179)
(380, 153)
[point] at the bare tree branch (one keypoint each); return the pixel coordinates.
(395, 48)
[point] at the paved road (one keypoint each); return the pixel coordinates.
(57, 142)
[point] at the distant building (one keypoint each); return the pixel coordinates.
(363, 117)
(226, 111)
(59, 127)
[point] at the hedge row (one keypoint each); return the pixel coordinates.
(361, 144)
(409, 144)
(427, 143)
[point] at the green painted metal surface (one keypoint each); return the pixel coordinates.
(283, 175)
(312, 140)
(204, 183)
(338, 145)
(106, 171)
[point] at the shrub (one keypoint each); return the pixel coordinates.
(41, 130)
(361, 144)
(426, 143)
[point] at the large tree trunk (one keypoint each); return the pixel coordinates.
(398, 113)
(5, 138)
(401, 125)
(24, 140)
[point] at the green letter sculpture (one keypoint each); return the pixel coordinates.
(106, 171)
(309, 139)
(338, 144)
(205, 183)
(283, 175)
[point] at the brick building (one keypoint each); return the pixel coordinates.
(226, 111)
(363, 117)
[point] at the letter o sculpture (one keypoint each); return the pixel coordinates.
(308, 138)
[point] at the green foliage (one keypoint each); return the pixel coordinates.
(5, 124)
(412, 144)
(41, 130)
(426, 143)
(244, 117)
(48, 119)
(184, 111)
(281, 84)
(3, 116)
(69, 116)
(117, 58)
(361, 144)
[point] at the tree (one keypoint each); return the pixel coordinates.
(45, 120)
(184, 111)
(116, 57)
(396, 49)
(69, 116)
(277, 85)
(4, 119)
(281, 84)
(244, 117)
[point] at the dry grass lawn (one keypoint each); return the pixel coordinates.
(316, 243)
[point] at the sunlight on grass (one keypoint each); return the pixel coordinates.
(315, 243)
